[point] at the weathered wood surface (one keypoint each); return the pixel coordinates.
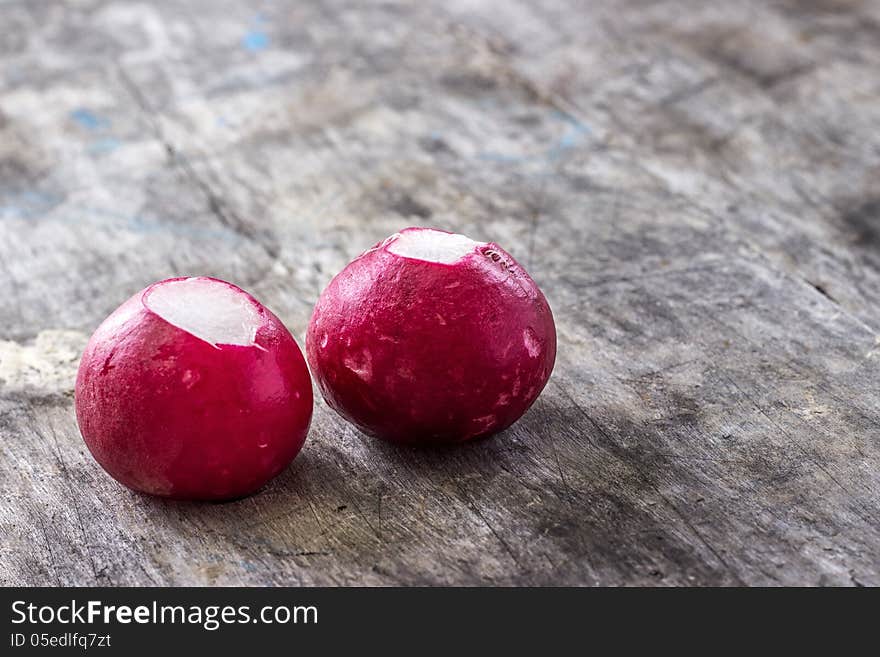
(695, 185)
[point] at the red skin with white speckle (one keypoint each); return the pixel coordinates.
(423, 352)
(169, 414)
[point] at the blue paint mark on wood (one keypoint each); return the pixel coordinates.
(92, 122)
(36, 206)
(105, 145)
(89, 120)
(573, 135)
(255, 40)
(28, 205)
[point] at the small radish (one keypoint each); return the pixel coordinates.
(192, 389)
(431, 337)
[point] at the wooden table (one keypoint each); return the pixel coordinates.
(695, 186)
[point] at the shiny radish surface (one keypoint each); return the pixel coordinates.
(193, 389)
(432, 337)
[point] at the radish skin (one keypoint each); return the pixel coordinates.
(430, 337)
(193, 390)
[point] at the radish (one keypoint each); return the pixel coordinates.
(192, 389)
(431, 337)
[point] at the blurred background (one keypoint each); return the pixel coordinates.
(247, 139)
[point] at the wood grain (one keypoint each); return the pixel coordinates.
(695, 186)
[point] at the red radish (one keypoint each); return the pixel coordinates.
(431, 337)
(192, 389)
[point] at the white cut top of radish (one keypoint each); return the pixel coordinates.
(432, 245)
(210, 310)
